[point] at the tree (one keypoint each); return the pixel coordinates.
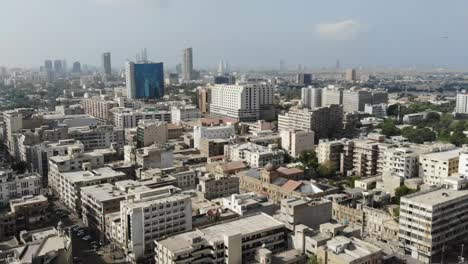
(326, 169)
(313, 260)
(418, 135)
(402, 191)
(309, 159)
(389, 128)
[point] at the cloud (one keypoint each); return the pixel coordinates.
(341, 30)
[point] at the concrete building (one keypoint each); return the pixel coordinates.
(324, 121)
(355, 100)
(213, 147)
(15, 120)
(344, 250)
(331, 151)
(42, 152)
(154, 157)
(297, 141)
(150, 215)
(129, 118)
(311, 97)
(379, 96)
(98, 137)
(332, 96)
(187, 65)
(255, 155)
(70, 184)
(99, 107)
(377, 110)
(434, 219)
(403, 162)
(230, 242)
(184, 114)
(144, 80)
(462, 103)
(295, 211)
(13, 186)
(351, 75)
(304, 78)
(217, 132)
(97, 201)
(217, 186)
(204, 99)
(249, 203)
(246, 103)
(151, 132)
(435, 167)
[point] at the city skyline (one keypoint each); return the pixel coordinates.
(315, 35)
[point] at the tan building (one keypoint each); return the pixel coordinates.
(355, 100)
(297, 141)
(174, 131)
(435, 167)
(344, 250)
(218, 186)
(151, 132)
(99, 107)
(323, 121)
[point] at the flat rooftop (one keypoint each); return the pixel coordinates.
(91, 175)
(435, 197)
(103, 192)
(247, 225)
(444, 155)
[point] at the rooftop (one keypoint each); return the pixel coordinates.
(435, 197)
(95, 174)
(103, 192)
(444, 155)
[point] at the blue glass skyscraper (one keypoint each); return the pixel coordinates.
(145, 80)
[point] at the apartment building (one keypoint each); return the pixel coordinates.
(297, 141)
(230, 242)
(151, 132)
(217, 132)
(312, 213)
(332, 96)
(154, 157)
(434, 219)
(184, 114)
(401, 161)
(129, 118)
(97, 201)
(435, 167)
(330, 151)
(311, 97)
(355, 100)
(323, 121)
(150, 215)
(256, 156)
(70, 183)
(246, 103)
(99, 107)
(217, 186)
(98, 137)
(13, 186)
(344, 250)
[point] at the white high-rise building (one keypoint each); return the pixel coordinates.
(187, 66)
(462, 103)
(243, 102)
(311, 97)
(130, 79)
(150, 215)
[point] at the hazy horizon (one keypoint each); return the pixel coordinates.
(246, 33)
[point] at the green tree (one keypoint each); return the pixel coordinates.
(326, 169)
(313, 260)
(400, 192)
(309, 159)
(389, 128)
(418, 135)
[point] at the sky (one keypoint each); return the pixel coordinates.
(247, 33)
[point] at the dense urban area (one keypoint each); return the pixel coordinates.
(136, 163)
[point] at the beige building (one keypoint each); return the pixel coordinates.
(217, 186)
(297, 141)
(323, 121)
(154, 157)
(151, 132)
(435, 167)
(99, 107)
(332, 96)
(231, 242)
(344, 250)
(355, 100)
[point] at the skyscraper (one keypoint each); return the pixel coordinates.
(187, 66)
(58, 66)
(144, 80)
(48, 65)
(351, 75)
(106, 63)
(76, 67)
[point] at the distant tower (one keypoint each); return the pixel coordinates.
(58, 68)
(351, 75)
(76, 67)
(187, 65)
(144, 80)
(48, 65)
(221, 68)
(282, 66)
(106, 63)
(144, 55)
(337, 64)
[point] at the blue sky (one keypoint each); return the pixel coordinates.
(247, 33)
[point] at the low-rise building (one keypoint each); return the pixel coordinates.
(184, 113)
(129, 118)
(296, 142)
(154, 157)
(295, 211)
(435, 167)
(96, 137)
(220, 132)
(249, 203)
(13, 186)
(256, 156)
(231, 242)
(344, 250)
(217, 186)
(151, 132)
